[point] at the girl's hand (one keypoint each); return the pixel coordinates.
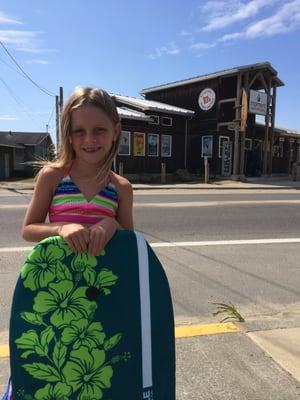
(100, 235)
(76, 235)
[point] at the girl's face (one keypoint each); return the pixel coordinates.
(92, 133)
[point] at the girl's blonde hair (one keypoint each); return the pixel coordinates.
(83, 96)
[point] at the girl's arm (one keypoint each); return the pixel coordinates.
(103, 231)
(34, 227)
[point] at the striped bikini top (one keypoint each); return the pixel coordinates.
(69, 204)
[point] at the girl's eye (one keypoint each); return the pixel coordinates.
(78, 133)
(98, 131)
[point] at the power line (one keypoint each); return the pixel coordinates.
(25, 74)
(20, 104)
(51, 114)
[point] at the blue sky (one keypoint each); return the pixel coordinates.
(125, 46)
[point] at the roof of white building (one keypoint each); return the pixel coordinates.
(128, 113)
(149, 105)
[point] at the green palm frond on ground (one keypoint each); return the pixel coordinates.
(229, 310)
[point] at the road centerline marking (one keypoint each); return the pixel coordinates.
(187, 244)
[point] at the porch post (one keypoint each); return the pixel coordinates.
(237, 127)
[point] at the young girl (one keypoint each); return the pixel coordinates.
(86, 202)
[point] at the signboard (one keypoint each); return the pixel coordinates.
(227, 159)
(244, 110)
(166, 146)
(207, 146)
(258, 102)
(152, 145)
(207, 99)
(138, 144)
(124, 148)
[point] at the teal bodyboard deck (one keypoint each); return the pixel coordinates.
(91, 328)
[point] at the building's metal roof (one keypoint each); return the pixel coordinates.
(21, 139)
(128, 113)
(231, 71)
(149, 105)
(280, 129)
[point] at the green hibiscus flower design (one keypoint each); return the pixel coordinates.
(85, 264)
(83, 333)
(60, 391)
(87, 373)
(40, 267)
(65, 303)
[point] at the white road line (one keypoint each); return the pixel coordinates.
(13, 206)
(186, 244)
(188, 204)
(15, 249)
(216, 203)
(225, 242)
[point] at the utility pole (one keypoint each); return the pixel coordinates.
(59, 101)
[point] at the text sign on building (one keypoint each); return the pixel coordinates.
(258, 102)
(207, 99)
(227, 159)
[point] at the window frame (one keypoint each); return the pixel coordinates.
(169, 118)
(153, 122)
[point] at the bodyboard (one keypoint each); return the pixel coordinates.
(92, 328)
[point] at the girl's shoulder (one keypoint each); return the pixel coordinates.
(50, 176)
(122, 185)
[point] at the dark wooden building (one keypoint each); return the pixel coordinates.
(224, 126)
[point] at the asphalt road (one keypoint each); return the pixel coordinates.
(261, 280)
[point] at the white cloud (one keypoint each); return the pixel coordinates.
(4, 19)
(42, 62)
(202, 46)
(35, 50)
(220, 14)
(285, 19)
(185, 33)
(18, 37)
(169, 49)
(22, 40)
(8, 118)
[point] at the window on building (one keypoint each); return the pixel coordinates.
(154, 120)
(167, 121)
(222, 139)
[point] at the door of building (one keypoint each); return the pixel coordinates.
(6, 166)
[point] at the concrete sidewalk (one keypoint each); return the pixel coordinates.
(264, 183)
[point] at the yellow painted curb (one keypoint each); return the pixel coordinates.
(180, 332)
(209, 329)
(4, 351)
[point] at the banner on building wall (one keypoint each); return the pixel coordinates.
(258, 102)
(152, 145)
(138, 144)
(124, 148)
(227, 159)
(244, 110)
(166, 145)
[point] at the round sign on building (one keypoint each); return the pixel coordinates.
(207, 99)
